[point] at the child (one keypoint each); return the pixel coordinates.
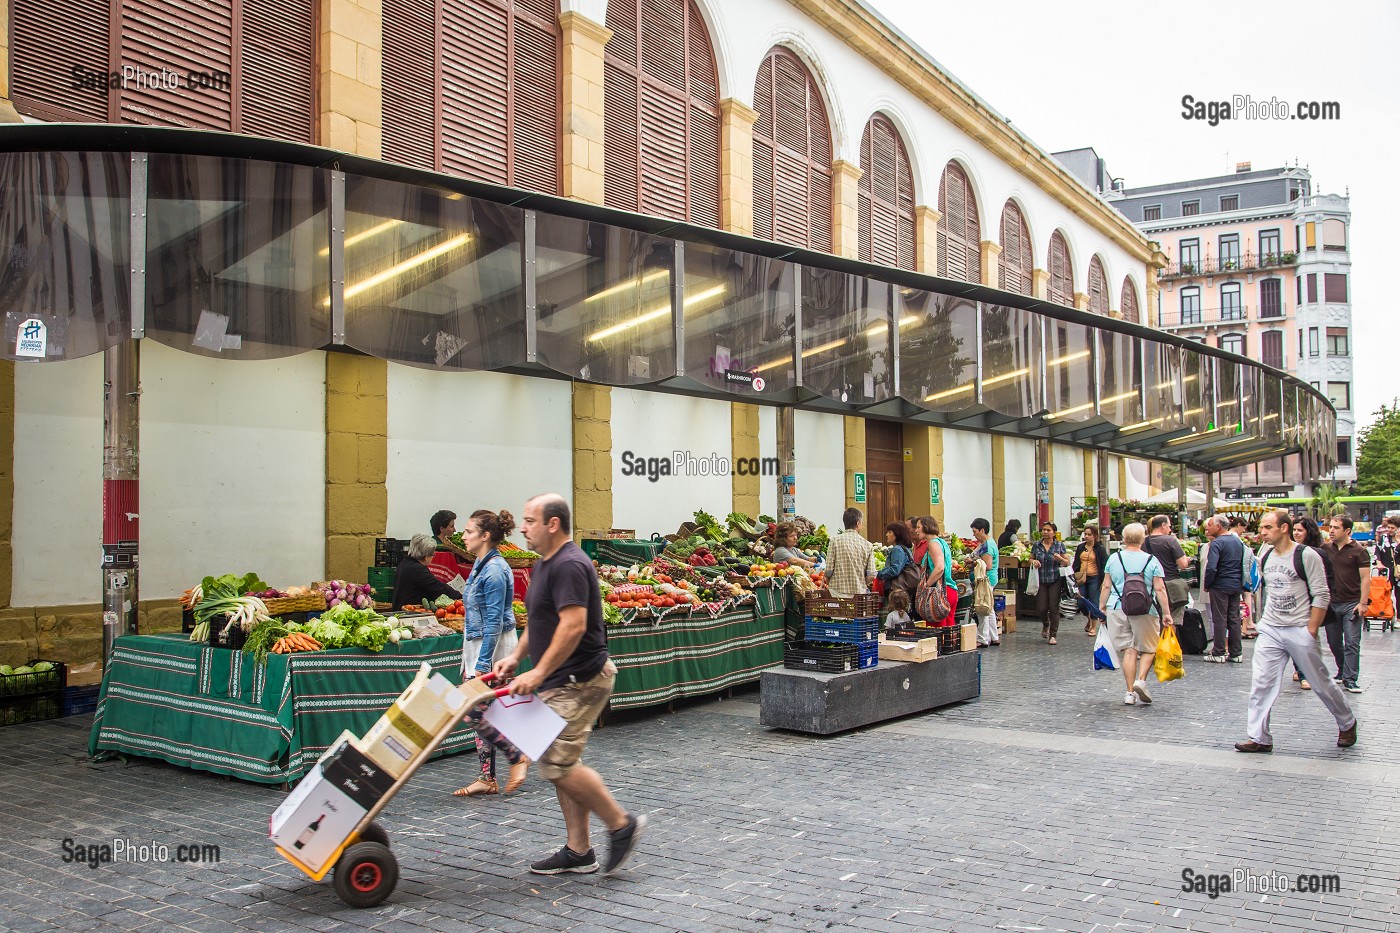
(899, 611)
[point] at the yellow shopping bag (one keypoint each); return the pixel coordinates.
(1167, 663)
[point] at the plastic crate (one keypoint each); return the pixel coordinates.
(830, 658)
(949, 640)
(15, 710)
(389, 552)
(79, 700)
(920, 632)
(24, 685)
(854, 631)
(823, 605)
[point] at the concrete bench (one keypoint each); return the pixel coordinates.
(806, 701)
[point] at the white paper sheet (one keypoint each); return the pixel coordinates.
(529, 724)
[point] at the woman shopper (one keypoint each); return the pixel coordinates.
(488, 634)
(1135, 636)
(1008, 534)
(1048, 556)
(414, 583)
(937, 564)
(900, 571)
(1089, 560)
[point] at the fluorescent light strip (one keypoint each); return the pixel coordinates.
(1172, 385)
(659, 311)
(413, 262)
(879, 328)
(627, 285)
(1140, 425)
(366, 234)
(985, 382)
(1070, 358)
(1088, 405)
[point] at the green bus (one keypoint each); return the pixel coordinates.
(1365, 511)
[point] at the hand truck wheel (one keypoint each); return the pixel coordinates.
(366, 874)
(375, 833)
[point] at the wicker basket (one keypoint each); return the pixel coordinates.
(313, 602)
(520, 563)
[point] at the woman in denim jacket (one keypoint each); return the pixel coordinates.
(488, 634)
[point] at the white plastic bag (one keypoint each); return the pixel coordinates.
(1033, 582)
(1105, 656)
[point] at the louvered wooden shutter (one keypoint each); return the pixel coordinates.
(1128, 303)
(410, 107)
(886, 196)
(792, 155)
(959, 229)
(276, 88)
(1098, 287)
(1014, 269)
(475, 75)
(535, 131)
(50, 37)
(183, 37)
(1061, 285)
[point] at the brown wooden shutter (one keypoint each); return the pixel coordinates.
(1098, 287)
(792, 155)
(410, 102)
(661, 108)
(1016, 263)
(183, 37)
(959, 230)
(1128, 303)
(475, 74)
(886, 196)
(536, 133)
(1271, 348)
(50, 38)
(276, 96)
(1061, 284)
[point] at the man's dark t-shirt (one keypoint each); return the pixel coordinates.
(1348, 561)
(566, 579)
(1168, 551)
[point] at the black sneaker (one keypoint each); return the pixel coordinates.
(1351, 687)
(621, 842)
(566, 859)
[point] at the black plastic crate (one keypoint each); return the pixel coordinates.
(389, 552)
(79, 700)
(23, 685)
(919, 633)
(829, 658)
(949, 640)
(16, 710)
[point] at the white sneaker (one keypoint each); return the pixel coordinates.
(1140, 688)
(1214, 658)
(1130, 699)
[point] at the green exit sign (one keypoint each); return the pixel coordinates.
(935, 487)
(859, 487)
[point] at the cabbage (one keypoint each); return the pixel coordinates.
(42, 667)
(442, 602)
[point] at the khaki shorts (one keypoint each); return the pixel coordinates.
(580, 705)
(1139, 632)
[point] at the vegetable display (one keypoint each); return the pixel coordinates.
(358, 595)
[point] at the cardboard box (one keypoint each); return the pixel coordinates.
(410, 723)
(925, 649)
(354, 773)
(314, 820)
(969, 636)
(430, 701)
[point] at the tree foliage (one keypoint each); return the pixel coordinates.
(1324, 502)
(1378, 453)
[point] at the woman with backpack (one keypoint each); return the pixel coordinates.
(900, 572)
(1136, 590)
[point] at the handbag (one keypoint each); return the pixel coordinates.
(931, 599)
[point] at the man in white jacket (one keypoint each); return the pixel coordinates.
(1295, 607)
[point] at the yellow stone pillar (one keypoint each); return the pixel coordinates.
(7, 115)
(357, 439)
(991, 264)
(1081, 301)
(736, 166)
(351, 90)
(743, 435)
(845, 213)
(1150, 290)
(1122, 478)
(593, 465)
(925, 446)
(855, 460)
(1050, 468)
(1091, 475)
(581, 76)
(926, 240)
(999, 516)
(7, 476)
(1040, 284)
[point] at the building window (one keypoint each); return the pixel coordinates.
(1337, 342)
(1152, 212)
(1334, 287)
(1270, 248)
(1190, 253)
(959, 230)
(1314, 342)
(1190, 208)
(1343, 451)
(1231, 307)
(1334, 234)
(1098, 287)
(1014, 269)
(1271, 298)
(1060, 288)
(1339, 394)
(886, 196)
(1312, 288)
(791, 155)
(1128, 302)
(1300, 345)
(1190, 306)
(1229, 202)
(1233, 343)
(1271, 348)
(1316, 385)
(1230, 252)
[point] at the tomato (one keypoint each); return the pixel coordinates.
(441, 613)
(668, 602)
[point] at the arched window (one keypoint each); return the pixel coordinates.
(1060, 288)
(661, 107)
(959, 232)
(791, 155)
(1128, 303)
(1098, 287)
(1017, 261)
(886, 196)
(472, 87)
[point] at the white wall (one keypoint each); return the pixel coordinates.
(655, 424)
(233, 456)
(1020, 481)
(1138, 487)
(768, 447)
(967, 480)
(1069, 481)
(820, 450)
(468, 441)
(57, 534)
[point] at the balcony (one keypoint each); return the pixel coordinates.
(1204, 317)
(1233, 265)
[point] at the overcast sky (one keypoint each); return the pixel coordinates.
(1111, 76)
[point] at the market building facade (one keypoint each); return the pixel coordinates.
(835, 255)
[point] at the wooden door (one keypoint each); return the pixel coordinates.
(884, 474)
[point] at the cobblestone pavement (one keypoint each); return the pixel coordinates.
(1047, 805)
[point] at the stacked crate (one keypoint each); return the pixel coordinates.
(840, 635)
